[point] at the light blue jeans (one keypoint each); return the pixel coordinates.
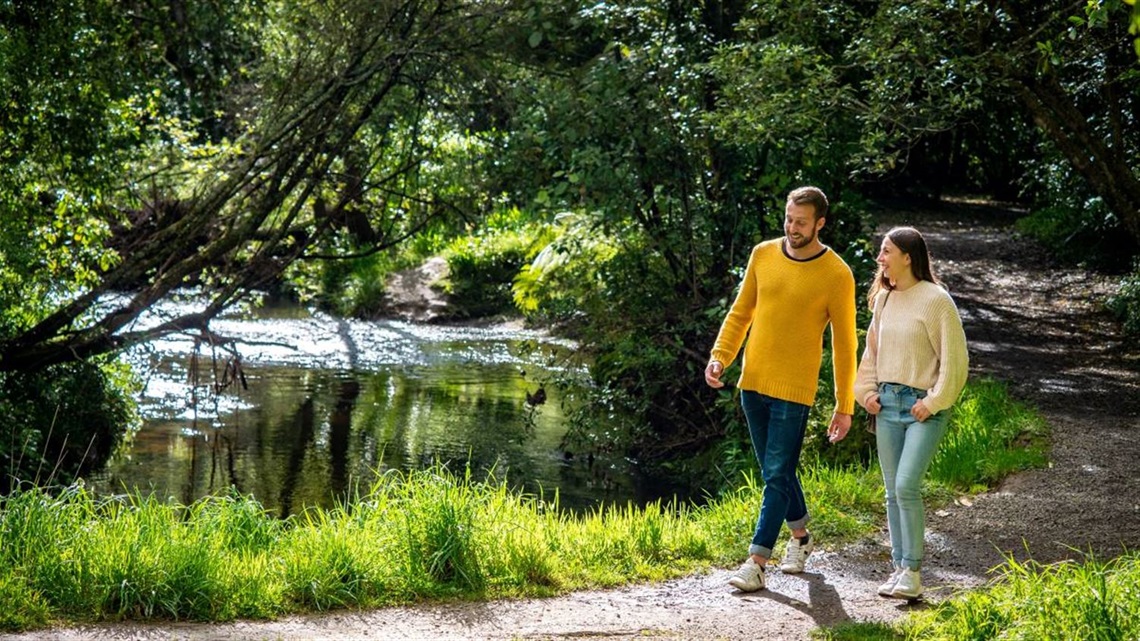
(906, 448)
(777, 429)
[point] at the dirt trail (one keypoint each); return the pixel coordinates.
(1034, 325)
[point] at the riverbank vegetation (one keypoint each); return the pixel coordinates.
(425, 535)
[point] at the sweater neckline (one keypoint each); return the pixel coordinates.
(917, 286)
(784, 249)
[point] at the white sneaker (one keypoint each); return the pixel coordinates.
(795, 555)
(887, 589)
(749, 577)
(908, 585)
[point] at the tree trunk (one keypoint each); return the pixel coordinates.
(1105, 167)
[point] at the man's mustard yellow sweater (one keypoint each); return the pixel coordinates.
(783, 307)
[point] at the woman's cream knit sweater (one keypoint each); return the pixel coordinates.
(916, 339)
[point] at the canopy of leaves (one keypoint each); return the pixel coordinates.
(148, 147)
(171, 148)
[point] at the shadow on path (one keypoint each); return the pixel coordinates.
(823, 603)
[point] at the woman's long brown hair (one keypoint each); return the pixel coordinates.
(910, 242)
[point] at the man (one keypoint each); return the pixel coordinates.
(792, 289)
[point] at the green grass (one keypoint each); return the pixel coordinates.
(425, 535)
(1092, 600)
(990, 436)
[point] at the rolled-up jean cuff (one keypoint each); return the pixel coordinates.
(760, 550)
(799, 524)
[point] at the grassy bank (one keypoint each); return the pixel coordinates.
(1095, 600)
(428, 535)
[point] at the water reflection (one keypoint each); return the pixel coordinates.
(332, 403)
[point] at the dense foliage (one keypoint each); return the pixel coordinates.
(61, 422)
(1126, 302)
(638, 149)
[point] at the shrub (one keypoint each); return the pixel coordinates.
(1125, 304)
(482, 268)
(61, 421)
(1089, 235)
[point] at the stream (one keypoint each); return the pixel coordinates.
(328, 404)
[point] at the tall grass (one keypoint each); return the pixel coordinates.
(421, 535)
(990, 436)
(411, 536)
(1093, 600)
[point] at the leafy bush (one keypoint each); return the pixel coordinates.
(1089, 235)
(616, 295)
(1073, 224)
(557, 285)
(482, 267)
(1125, 304)
(61, 421)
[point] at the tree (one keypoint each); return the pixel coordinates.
(319, 141)
(616, 132)
(1067, 64)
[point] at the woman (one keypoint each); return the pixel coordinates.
(912, 371)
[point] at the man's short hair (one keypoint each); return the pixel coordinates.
(810, 196)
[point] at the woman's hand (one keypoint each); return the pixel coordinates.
(873, 406)
(919, 411)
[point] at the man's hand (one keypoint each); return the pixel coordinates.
(713, 372)
(840, 424)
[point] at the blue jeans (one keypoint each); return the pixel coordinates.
(906, 448)
(777, 429)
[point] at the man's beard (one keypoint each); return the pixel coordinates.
(803, 242)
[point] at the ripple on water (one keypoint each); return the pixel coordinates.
(334, 401)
